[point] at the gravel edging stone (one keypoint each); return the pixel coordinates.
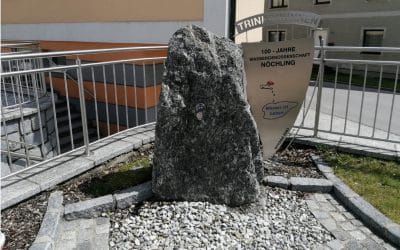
(303, 184)
(123, 199)
(48, 229)
(276, 181)
(133, 195)
(89, 208)
(361, 208)
(310, 184)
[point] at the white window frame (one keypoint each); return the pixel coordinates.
(363, 29)
(285, 30)
(322, 4)
(270, 5)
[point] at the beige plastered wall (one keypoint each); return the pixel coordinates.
(244, 9)
(78, 11)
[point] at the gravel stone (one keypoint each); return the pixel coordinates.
(280, 220)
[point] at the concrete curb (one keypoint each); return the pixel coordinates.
(368, 214)
(311, 185)
(89, 208)
(21, 187)
(94, 207)
(133, 195)
(50, 223)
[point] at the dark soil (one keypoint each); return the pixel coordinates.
(295, 162)
(21, 223)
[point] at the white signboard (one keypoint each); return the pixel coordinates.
(278, 17)
(277, 75)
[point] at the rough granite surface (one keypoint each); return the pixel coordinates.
(207, 145)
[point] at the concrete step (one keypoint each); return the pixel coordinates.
(62, 109)
(65, 142)
(65, 128)
(64, 118)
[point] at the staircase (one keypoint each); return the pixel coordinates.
(64, 133)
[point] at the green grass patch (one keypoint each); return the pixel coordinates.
(128, 175)
(143, 162)
(377, 181)
(357, 80)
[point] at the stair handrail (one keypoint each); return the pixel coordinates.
(53, 64)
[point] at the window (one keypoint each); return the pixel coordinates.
(372, 38)
(279, 3)
(276, 35)
(322, 2)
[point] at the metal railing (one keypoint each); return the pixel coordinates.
(355, 97)
(24, 84)
(87, 101)
(84, 101)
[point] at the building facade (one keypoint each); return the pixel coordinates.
(123, 21)
(364, 23)
(62, 25)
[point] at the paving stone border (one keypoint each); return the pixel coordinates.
(349, 232)
(368, 214)
(45, 239)
(123, 199)
(303, 184)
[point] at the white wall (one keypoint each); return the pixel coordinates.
(215, 20)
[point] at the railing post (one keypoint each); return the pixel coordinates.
(42, 76)
(83, 107)
(320, 85)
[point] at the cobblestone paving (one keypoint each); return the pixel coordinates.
(83, 234)
(350, 233)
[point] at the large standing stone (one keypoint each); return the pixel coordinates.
(207, 145)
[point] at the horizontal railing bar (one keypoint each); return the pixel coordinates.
(69, 67)
(350, 135)
(86, 65)
(351, 61)
(35, 158)
(32, 71)
(16, 52)
(12, 45)
(19, 142)
(83, 52)
(358, 49)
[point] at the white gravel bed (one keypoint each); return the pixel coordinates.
(280, 220)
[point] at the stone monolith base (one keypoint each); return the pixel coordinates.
(207, 146)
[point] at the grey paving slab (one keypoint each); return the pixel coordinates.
(335, 244)
(349, 232)
(135, 142)
(87, 234)
(108, 149)
(42, 246)
(18, 192)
